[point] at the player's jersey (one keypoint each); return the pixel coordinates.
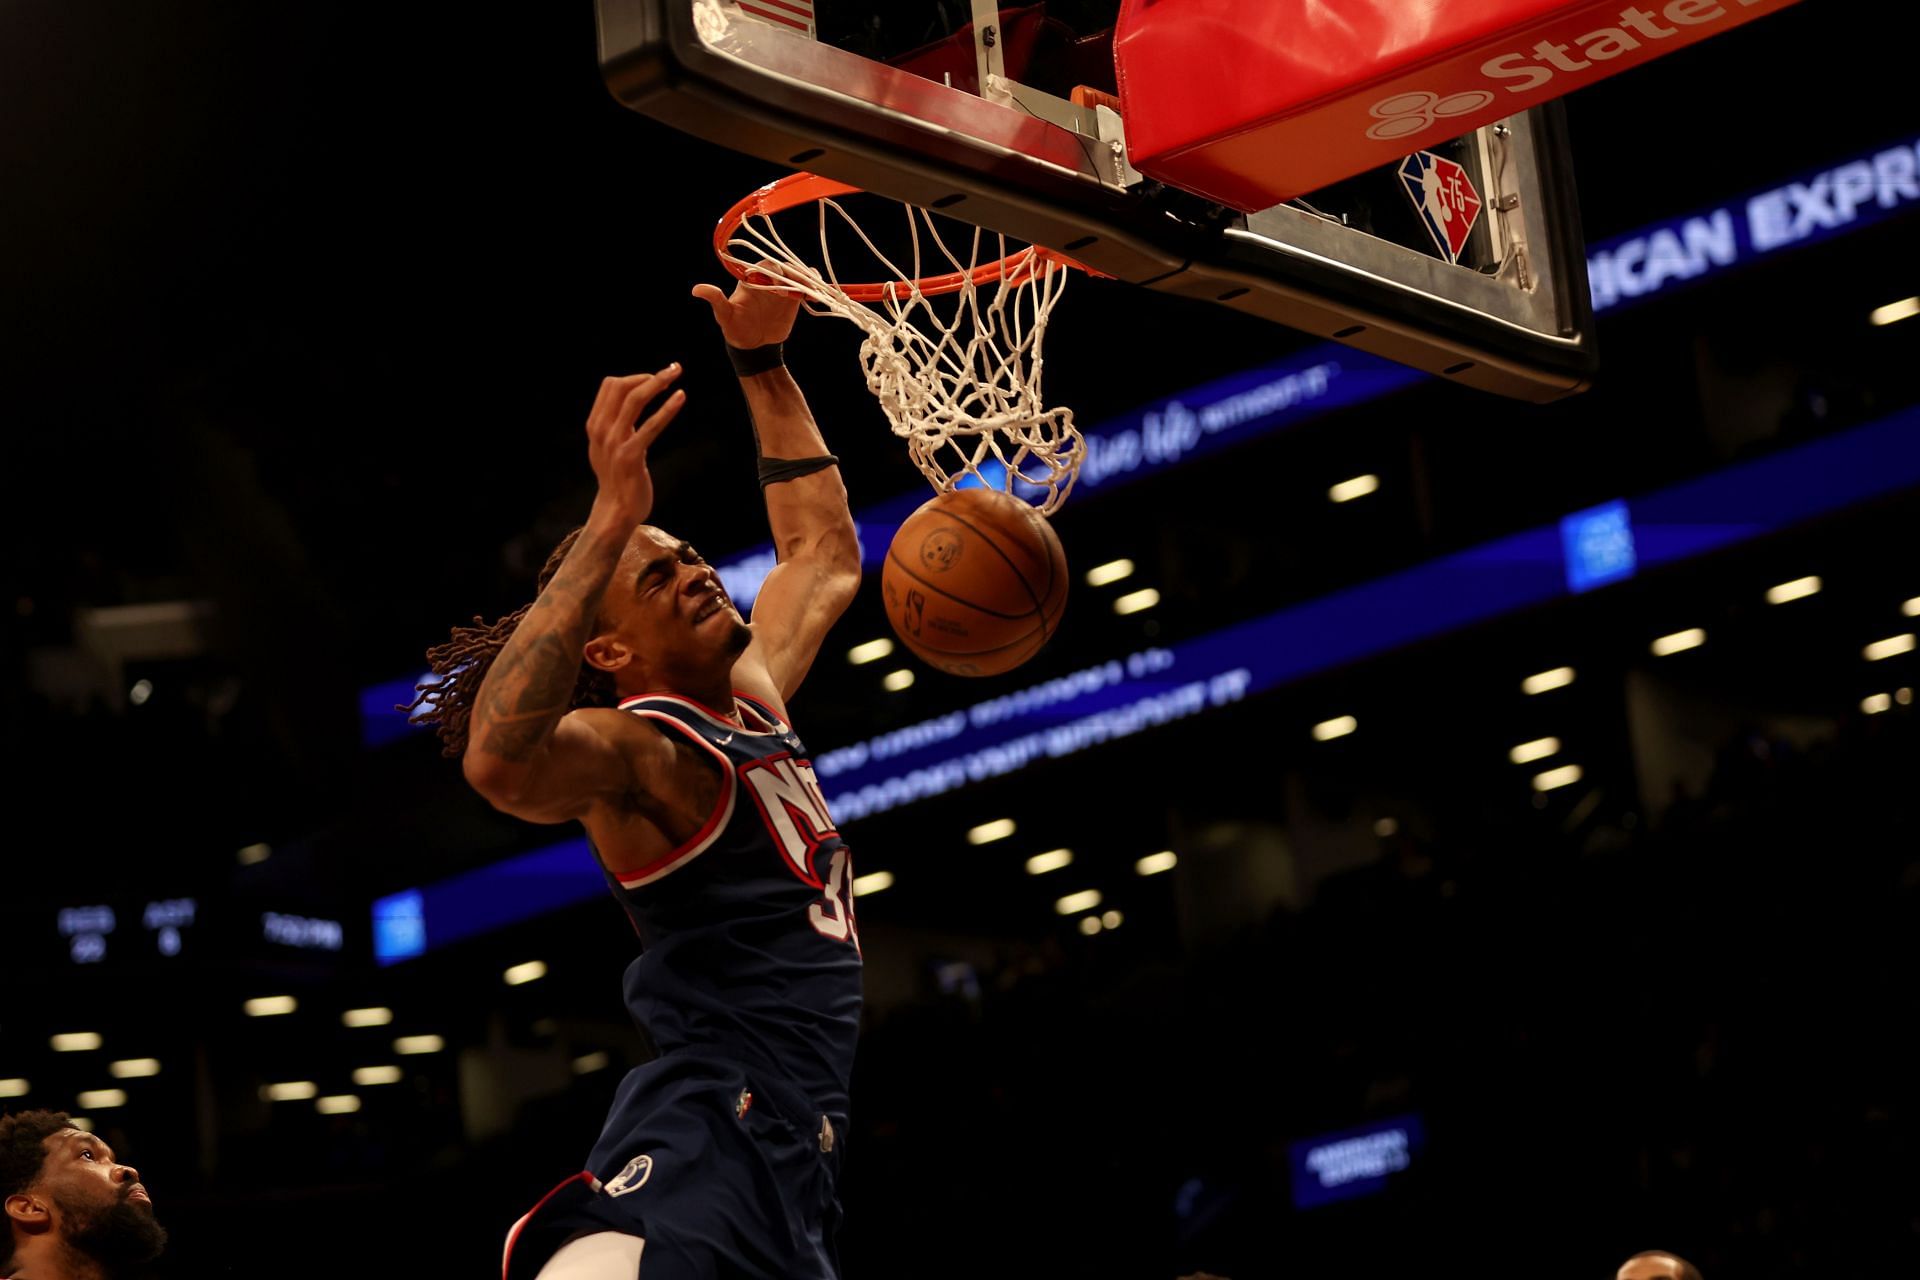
(750, 951)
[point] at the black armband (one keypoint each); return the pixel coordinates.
(775, 470)
(748, 361)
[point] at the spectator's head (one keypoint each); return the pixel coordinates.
(1657, 1264)
(68, 1201)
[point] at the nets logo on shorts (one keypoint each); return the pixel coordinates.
(1444, 196)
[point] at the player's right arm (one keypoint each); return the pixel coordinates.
(527, 753)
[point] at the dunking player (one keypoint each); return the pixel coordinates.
(72, 1211)
(631, 697)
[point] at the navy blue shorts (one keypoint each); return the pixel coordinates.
(727, 1174)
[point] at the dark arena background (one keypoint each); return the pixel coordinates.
(1490, 829)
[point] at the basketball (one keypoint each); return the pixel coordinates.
(975, 582)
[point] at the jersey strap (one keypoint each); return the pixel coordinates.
(704, 838)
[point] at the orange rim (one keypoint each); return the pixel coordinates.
(805, 188)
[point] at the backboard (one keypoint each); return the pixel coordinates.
(1010, 118)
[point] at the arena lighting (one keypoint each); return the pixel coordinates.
(1558, 678)
(1338, 727)
(1798, 589)
(377, 1075)
(521, 974)
(1111, 920)
(1538, 749)
(270, 1006)
(1135, 601)
(254, 853)
(1154, 863)
(988, 832)
(1679, 641)
(1089, 925)
(337, 1104)
(588, 1063)
(75, 1041)
(1358, 487)
(81, 1123)
(1874, 704)
(133, 1068)
(873, 882)
(370, 1017)
(1903, 696)
(14, 1088)
(100, 1099)
(1041, 863)
(290, 1091)
(419, 1044)
(1911, 608)
(141, 691)
(1112, 571)
(1565, 776)
(1074, 903)
(871, 651)
(1905, 309)
(1384, 827)
(1888, 648)
(898, 680)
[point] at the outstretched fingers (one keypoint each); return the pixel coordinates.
(650, 430)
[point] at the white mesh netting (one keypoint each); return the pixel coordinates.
(962, 389)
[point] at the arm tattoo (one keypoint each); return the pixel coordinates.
(530, 685)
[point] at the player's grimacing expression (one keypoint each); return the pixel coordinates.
(667, 604)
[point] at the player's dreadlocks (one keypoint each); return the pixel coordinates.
(462, 663)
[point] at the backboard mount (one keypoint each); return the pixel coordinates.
(1047, 163)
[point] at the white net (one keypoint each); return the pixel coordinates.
(962, 389)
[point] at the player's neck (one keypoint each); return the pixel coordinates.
(61, 1262)
(716, 695)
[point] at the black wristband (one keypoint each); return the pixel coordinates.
(775, 470)
(748, 361)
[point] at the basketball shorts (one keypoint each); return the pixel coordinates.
(726, 1173)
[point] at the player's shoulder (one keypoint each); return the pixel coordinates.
(615, 727)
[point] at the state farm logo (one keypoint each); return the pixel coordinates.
(1405, 114)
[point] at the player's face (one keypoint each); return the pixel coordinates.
(102, 1208)
(676, 612)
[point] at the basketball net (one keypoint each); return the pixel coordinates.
(962, 391)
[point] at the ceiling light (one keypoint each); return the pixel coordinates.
(133, 1068)
(1904, 309)
(271, 1006)
(290, 1091)
(1112, 571)
(14, 1088)
(1538, 749)
(1111, 920)
(1557, 678)
(1874, 704)
(871, 651)
(1135, 601)
(587, 1064)
(1798, 589)
(1358, 487)
(872, 882)
(75, 1041)
(255, 853)
(1888, 648)
(1089, 925)
(897, 680)
(1041, 863)
(1154, 863)
(521, 974)
(377, 1075)
(987, 832)
(337, 1104)
(1691, 638)
(370, 1017)
(97, 1099)
(419, 1044)
(1338, 727)
(1565, 776)
(1074, 903)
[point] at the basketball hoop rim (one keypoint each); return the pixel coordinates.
(806, 188)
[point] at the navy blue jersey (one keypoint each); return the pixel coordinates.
(750, 952)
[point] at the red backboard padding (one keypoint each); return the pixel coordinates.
(1253, 102)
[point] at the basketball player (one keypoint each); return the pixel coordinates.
(73, 1213)
(632, 698)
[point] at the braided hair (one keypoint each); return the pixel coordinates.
(464, 660)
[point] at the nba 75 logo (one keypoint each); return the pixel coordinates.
(1443, 195)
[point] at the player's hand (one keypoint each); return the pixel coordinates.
(617, 440)
(751, 316)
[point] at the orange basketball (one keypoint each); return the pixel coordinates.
(975, 582)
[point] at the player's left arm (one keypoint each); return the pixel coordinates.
(813, 532)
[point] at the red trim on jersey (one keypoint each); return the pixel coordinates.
(513, 1232)
(698, 843)
(737, 726)
(803, 822)
(762, 708)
